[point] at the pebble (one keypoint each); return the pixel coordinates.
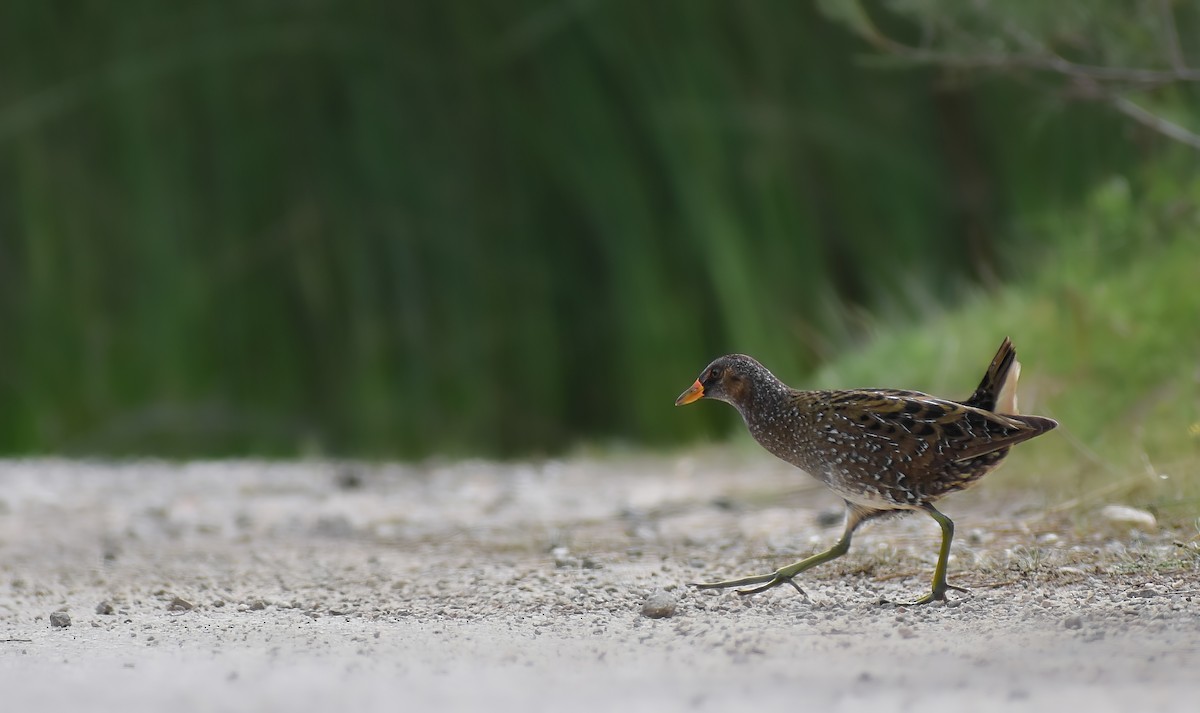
(180, 604)
(105, 607)
(1133, 517)
(829, 518)
(60, 619)
(562, 557)
(659, 605)
(1073, 622)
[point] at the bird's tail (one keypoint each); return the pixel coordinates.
(998, 390)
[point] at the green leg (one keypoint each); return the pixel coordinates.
(938, 592)
(854, 517)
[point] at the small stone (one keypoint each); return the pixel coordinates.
(905, 632)
(60, 619)
(180, 604)
(333, 526)
(562, 557)
(659, 605)
(348, 479)
(829, 518)
(257, 605)
(105, 607)
(1132, 517)
(1073, 622)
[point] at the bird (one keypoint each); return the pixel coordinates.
(883, 451)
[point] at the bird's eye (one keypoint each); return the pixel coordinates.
(714, 373)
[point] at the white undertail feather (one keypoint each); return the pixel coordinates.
(1006, 401)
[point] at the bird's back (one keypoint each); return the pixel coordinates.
(887, 448)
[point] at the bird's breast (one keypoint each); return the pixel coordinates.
(858, 465)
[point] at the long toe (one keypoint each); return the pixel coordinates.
(934, 595)
(928, 598)
(743, 582)
(775, 582)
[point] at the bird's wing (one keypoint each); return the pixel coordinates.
(929, 429)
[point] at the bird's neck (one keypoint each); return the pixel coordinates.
(774, 420)
(763, 403)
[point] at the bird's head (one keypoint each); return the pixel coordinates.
(730, 378)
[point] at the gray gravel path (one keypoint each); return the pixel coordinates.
(562, 585)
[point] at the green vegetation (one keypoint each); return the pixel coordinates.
(400, 229)
(1107, 332)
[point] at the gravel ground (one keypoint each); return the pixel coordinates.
(513, 587)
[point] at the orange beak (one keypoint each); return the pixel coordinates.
(694, 392)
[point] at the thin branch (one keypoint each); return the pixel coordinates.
(1123, 104)
(1156, 122)
(1092, 89)
(1171, 35)
(1045, 63)
(1089, 78)
(1041, 58)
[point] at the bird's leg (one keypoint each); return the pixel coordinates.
(940, 587)
(784, 575)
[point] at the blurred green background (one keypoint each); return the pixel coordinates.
(380, 229)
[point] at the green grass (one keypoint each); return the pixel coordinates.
(396, 229)
(1108, 333)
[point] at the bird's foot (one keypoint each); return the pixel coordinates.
(936, 594)
(768, 581)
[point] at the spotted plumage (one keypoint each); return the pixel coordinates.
(881, 450)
